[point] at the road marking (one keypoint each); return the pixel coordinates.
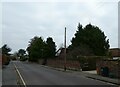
(20, 75)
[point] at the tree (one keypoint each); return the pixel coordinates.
(21, 53)
(79, 36)
(14, 56)
(36, 49)
(91, 37)
(78, 46)
(51, 47)
(40, 49)
(6, 49)
(97, 40)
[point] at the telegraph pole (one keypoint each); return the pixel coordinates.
(65, 51)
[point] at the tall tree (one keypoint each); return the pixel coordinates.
(92, 37)
(36, 49)
(51, 47)
(97, 40)
(79, 36)
(6, 49)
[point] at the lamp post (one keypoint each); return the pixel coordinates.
(65, 51)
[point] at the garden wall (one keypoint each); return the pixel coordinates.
(112, 65)
(59, 63)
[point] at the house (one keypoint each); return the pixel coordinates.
(59, 62)
(60, 53)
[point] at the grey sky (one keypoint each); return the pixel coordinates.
(21, 21)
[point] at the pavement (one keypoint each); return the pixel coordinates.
(91, 74)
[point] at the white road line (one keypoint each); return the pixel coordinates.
(20, 76)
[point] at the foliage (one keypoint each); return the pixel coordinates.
(5, 49)
(21, 53)
(51, 48)
(91, 37)
(36, 48)
(39, 49)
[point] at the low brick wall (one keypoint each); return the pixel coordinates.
(58, 63)
(5, 60)
(112, 65)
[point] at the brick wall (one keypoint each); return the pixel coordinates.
(59, 63)
(113, 66)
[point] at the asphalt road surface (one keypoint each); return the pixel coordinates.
(9, 76)
(35, 74)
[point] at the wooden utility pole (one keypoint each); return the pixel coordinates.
(65, 51)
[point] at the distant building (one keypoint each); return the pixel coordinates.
(61, 53)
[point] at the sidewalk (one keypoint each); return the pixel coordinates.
(90, 74)
(93, 75)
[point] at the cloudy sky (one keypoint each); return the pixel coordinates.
(21, 20)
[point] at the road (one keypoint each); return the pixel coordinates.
(9, 76)
(35, 74)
